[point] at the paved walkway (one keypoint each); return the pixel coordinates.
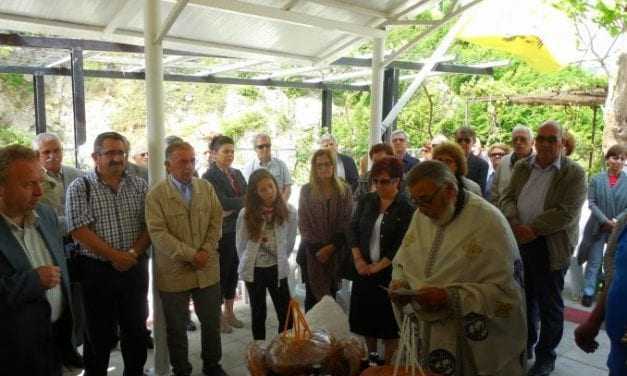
(570, 362)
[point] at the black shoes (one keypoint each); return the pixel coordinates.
(72, 359)
(587, 300)
(542, 368)
(214, 371)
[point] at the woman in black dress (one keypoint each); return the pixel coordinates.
(378, 227)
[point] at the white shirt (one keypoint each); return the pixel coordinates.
(37, 253)
(375, 240)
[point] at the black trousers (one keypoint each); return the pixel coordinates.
(113, 298)
(545, 306)
(267, 279)
(228, 265)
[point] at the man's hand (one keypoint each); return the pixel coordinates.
(523, 233)
(49, 276)
(123, 261)
(325, 253)
(585, 335)
(432, 299)
(608, 226)
(397, 298)
(200, 258)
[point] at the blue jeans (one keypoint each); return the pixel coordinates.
(593, 265)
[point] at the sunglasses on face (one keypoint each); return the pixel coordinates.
(263, 146)
(398, 140)
(549, 139)
(520, 139)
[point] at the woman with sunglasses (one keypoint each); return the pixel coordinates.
(607, 198)
(324, 215)
(266, 230)
(378, 227)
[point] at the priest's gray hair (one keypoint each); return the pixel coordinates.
(433, 170)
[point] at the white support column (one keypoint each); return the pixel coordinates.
(156, 134)
(376, 91)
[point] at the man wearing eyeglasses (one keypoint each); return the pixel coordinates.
(462, 277)
(278, 168)
(105, 213)
(542, 203)
(522, 142)
(398, 139)
(477, 167)
(56, 182)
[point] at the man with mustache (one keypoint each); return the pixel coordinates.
(462, 278)
(104, 212)
(57, 179)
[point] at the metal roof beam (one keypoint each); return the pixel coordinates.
(223, 68)
(427, 32)
(128, 10)
(439, 52)
(180, 78)
(408, 65)
(277, 14)
(340, 76)
(171, 19)
(40, 25)
(350, 7)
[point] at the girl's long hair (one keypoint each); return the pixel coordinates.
(253, 204)
(316, 185)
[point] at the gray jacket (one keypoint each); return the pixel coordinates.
(559, 223)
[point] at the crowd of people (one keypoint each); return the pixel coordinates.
(473, 249)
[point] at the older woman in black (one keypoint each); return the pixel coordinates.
(378, 227)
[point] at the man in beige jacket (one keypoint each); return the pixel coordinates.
(184, 219)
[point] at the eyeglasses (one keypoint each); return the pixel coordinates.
(549, 139)
(497, 155)
(398, 139)
(427, 199)
(263, 146)
(382, 181)
(113, 153)
(520, 139)
(464, 140)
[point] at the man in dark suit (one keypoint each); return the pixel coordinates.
(36, 316)
(58, 178)
(345, 165)
(477, 167)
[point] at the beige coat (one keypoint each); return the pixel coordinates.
(178, 231)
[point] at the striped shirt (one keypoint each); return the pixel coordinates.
(116, 217)
(38, 254)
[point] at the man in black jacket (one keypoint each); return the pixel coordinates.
(477, 167)
(345, 165)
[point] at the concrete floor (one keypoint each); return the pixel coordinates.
(571, 360)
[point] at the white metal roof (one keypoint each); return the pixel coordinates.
(302, 31)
